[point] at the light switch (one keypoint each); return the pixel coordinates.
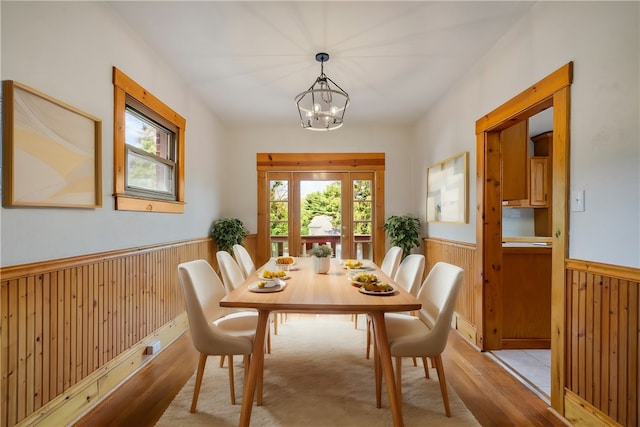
(577, 201)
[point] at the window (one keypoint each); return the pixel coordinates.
(148, 150)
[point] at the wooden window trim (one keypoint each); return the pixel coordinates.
(124, 86)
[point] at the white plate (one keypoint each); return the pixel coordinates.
(363, 267)
(285, 277)
(355, 274)
(277, 288)
(364, 291)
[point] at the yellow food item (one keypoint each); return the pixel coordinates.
(261, 284)
(267, 274)
(284, 260)
(377, 287)
(365, 278)
(350, 263)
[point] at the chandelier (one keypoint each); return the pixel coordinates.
(322, 106)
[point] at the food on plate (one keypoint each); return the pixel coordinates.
(262, 284)
(352, 263)
(377, 287)
(267, 274)
(284, 260)
(365, 278)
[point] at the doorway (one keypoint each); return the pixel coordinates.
(552, 91)
(310, 199)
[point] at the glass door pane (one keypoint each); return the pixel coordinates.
(362, 209)
(279, 216)
(320, 212)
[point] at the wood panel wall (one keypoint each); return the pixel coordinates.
(62, 320)
(603, 326)
(469, 301)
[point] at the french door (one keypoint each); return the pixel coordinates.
(317, 208)
(303, 208)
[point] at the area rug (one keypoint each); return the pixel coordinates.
(316, 375)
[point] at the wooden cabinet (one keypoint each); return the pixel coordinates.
(539, 182)
(514, 153)
(526, 297)
(542, 182)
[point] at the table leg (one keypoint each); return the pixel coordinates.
(255, 368)
(382, 345)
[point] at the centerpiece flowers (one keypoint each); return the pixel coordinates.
(321, 258)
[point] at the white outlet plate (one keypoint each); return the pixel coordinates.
(577, 201)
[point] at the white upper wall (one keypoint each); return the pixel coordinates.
(67, 50)
(602, 40)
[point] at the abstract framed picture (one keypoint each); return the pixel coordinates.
(447, 190)
(51, 152)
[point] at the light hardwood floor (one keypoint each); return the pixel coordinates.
(493, 395)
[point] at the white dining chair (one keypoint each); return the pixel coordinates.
(389, 266)
(409, 276)
(213, 330)
(391, 261)
(244, 260)
(232, 277)
(230, 271)
(426, 334)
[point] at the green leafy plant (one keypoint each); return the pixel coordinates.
(228, 232)
(321, 251)
(403, 231)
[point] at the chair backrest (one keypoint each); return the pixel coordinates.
(391, 261)
(438, 295)
(230, 270)
(202, 292)
(410, 272)
(244, 260)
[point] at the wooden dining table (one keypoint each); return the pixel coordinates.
(331, 293)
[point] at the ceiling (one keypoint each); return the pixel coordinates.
(248, 60)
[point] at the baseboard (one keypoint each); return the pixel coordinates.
(85, 395)
(579, 412)
(465, 328)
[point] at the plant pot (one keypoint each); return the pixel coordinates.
(321, 265)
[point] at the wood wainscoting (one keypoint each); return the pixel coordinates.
(74, 328)
(602, 343)
(468, 305)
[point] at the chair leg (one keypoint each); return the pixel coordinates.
(415, 362)
(232, 389)
(355, 321)
(268, 338)
(196, 391)
(425, 364)
(399, 380)
(368, 336)
(437, 360)
(222, 361)
(275, 323)
(378, 377)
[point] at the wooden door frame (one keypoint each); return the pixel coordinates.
(319, 162)
(552, 91)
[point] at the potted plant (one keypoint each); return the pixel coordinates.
(404, 231)
(321, 258)
(228, 232)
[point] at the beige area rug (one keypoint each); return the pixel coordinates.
(316, 375)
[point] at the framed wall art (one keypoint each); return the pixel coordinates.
(447, 193)
(51, 151)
